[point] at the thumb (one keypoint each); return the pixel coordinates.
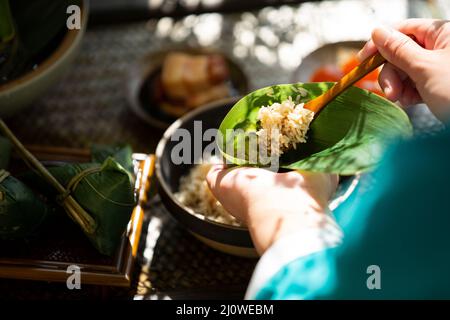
(215, 173)
(398, 48)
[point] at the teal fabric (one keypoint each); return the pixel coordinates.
(401, 224)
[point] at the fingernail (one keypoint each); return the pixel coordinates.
(359, 55)
(381, 34)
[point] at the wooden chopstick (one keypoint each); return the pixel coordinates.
(359, 72)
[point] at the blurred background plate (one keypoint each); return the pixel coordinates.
(329, 54)
(144, 74)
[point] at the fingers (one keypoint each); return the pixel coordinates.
(390, 81)
(410, 95)
(215, 177)
(398, 49)
(421, 29)
(321, 186)
(237, 179)
(334, 179)
(368, 50)
(307, 177)
(397, 86)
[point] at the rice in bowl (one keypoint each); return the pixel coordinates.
(195, 194)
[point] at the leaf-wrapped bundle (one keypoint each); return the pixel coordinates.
(122, 154)
(22, 213)
(105, 191)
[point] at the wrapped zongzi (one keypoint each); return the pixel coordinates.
(21, 211)
(122, 154)
(105, 191)
(99, 197)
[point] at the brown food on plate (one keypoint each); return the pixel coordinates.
(172, 76)
(218, 69)
(196, 73)
(213, 93)
(188, 81)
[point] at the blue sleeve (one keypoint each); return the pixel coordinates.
(400, 226)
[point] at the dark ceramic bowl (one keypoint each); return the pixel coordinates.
(231, 239)
(224, 237)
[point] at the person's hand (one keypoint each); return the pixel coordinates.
(417, 71)
(272, 204)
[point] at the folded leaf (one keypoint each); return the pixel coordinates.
(347, 137)
(7, 30)
(105, 191)
(22, 213)
(123, 154)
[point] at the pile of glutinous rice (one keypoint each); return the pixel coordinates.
(195, 194)
(282, 126)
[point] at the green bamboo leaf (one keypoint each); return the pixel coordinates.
(7, 30)
(22, 213)
(123, 154)
(108, 196)
(347, 137)
(9, 44)
(105, 191)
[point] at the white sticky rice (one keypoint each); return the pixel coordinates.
(283, 126)
(195, 194)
